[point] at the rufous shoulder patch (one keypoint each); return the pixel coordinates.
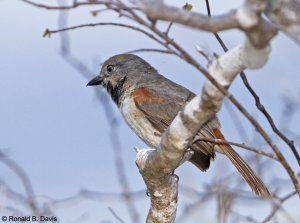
(143, 95)
(218, 134)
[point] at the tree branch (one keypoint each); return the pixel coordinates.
(25, 181)
(241, 145)
(49, 32)
(247, 18)
(285, 15)
(67, 7)
(151, 50)
(278, 206)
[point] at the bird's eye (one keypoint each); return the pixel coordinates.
(109, 68)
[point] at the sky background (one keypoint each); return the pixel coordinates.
(53, 127)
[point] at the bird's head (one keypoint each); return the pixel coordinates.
(120, 72)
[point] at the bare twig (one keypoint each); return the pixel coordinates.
(24, 179)
(241, 145)
(75, 4)
(95, 195)
(225, 202)
(169, 27)
(259, 105)
(151, 50)
(243, 218)
(278, 206)
(204, 53)
(115, 215)
(49, 32)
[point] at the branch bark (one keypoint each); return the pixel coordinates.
(247, 18)
(157, 166)
(285, 15)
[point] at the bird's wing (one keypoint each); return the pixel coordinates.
(160, 106)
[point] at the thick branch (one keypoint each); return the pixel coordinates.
(157, 166)
(285, 15)
(247, 18)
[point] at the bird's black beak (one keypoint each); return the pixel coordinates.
(95, 81)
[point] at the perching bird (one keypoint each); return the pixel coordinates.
(149, 102)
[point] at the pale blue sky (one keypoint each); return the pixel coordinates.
(52, 127)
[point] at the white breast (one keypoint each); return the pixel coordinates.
(138, 122)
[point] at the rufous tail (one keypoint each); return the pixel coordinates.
(245, 170)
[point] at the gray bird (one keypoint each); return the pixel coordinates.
(149, 102)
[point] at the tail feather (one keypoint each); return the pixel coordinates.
(245, 170)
